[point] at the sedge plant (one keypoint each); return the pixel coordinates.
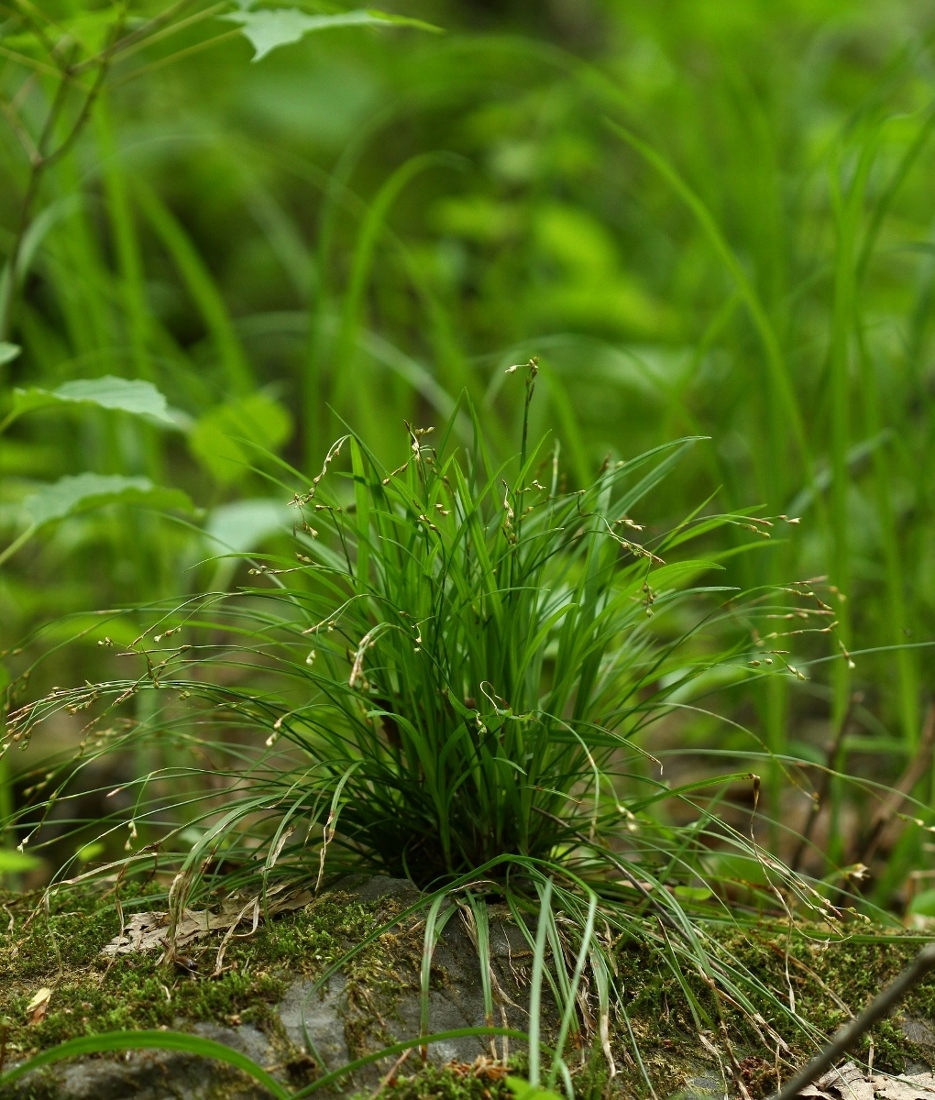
(457, 680)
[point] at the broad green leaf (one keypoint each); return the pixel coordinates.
(242, 526)
(268, 30)
(8, 352)
(12, 861)
(734, 867)
(77, 493)
(126, 395)
(224, 439)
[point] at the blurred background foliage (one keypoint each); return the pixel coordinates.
(704, 216)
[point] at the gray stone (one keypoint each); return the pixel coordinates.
(147, 1075)
(917, 1031)
(708, 1085)
(317, 1017)
(375, 887)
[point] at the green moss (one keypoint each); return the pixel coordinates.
(91, 993)
(823, 975)
(827, 974)
(481, 1081)
(60, 949)
(376, 981)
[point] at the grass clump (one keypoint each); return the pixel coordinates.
(457, 681)
(465, 663)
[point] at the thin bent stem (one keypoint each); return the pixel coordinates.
(17, 544)
(41, 160)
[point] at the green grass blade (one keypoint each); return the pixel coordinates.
(148, 1040)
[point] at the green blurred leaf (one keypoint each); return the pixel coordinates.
(738, 868)
(222, 439)
(242, 525)
(479, 218)
(12, 861)
(680, 572)
(8, 352)
(126, 395)
(90, 852)
(923, 904)
(32, 460)
(93, 29)
(90, 629)
(576, 241)
(692, 893)
(77, 493)
(267, 30)
(589, 287)
(523, 1090)
(24, 42)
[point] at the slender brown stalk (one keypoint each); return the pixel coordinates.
(917, 768)
(818, 799)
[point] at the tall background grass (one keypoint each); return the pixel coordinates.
(704, 218)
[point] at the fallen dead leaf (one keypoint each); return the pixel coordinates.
(849, 1082)
(916, 1086)
(151, 931)
(38, 1006)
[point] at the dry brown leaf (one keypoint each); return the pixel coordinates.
(916, 1086)
(849, 1082)
(151, 931)
(38, 1006)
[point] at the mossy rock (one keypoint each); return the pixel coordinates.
(267, 1002)
(264, 1003)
